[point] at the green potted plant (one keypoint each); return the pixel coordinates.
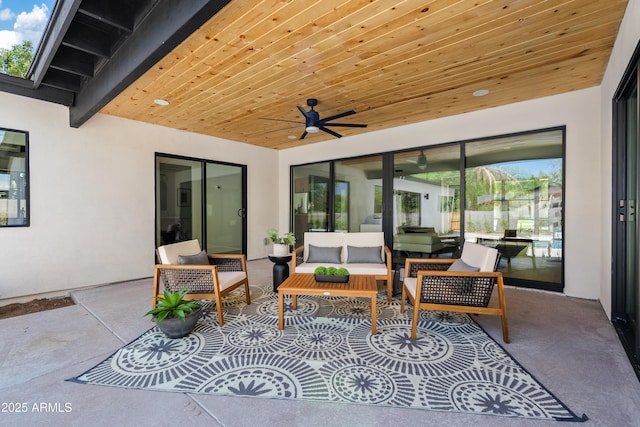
(281, 244)
(174, 315)
(331, 274)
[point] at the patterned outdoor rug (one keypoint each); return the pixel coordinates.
(327, 353)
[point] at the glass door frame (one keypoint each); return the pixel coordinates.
(629, 334)
(203, 192)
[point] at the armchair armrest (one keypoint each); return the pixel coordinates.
(297, 257)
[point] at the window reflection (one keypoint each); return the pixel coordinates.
(14, 178)
(514, 201)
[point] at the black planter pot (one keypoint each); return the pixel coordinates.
(331, 279)
(178, 328)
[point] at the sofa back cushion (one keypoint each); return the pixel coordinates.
(169, 254)
(479, 256)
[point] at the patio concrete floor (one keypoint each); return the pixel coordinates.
(567, 344)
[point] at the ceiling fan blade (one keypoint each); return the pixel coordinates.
(304, 113)
(280, 120)
(324, 129)
(337, 116)
(348, 125)
(303, 134)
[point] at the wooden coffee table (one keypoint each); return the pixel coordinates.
(363, 286)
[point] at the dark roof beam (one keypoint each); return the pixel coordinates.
(73, 61)
(60, 20)
(87, 39)
(62, 80)
(23, 87)
(118, 14)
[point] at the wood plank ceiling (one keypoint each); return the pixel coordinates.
(394, 62)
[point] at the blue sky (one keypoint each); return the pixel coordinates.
(22, 20)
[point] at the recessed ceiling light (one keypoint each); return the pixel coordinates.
(292, 137)
(481, 92)
(162, 102)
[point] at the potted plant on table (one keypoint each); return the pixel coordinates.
(174, 315)
(281, 244)
(331, 274)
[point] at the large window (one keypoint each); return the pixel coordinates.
(514, 202)
(426, 202)
(505, 192)
(14, 178)
(337, 196)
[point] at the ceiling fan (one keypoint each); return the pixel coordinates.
(313, 123)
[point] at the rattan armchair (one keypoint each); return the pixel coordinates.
(430, 285)
(223, 274)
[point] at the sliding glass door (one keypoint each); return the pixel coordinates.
(514, 202)
(225, 201)
(426, 202)
(203, 200)
(505, 192)
(625, 276)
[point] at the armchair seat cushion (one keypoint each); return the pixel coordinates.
(230, 278)
(410, 284)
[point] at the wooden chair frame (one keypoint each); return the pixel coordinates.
(433, 271)
(202, 281)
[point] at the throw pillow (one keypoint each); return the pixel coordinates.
(318, 254)
(364, 255)
(460, 265)
(197, 259)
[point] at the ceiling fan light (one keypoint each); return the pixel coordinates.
(312, 129)
(422, 161)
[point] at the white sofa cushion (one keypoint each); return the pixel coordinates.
(369, 269)
(169, 254)
(479, 256)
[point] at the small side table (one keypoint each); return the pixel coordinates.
(280, 269)
(398, 274)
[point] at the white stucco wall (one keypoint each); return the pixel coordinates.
(626, 42)
(92, 197)
(579, 111)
